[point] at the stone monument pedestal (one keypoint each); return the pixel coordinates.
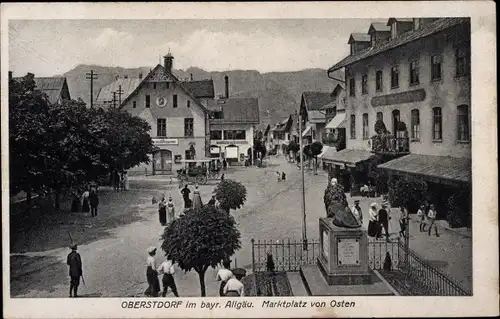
(343, 258)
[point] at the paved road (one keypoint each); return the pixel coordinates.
(114, 264)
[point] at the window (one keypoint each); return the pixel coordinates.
(352, 48)
(436, 67)
(352, 87)
(394, 77)
(365, 126)
(154, 86)
(237, 135)
(188, 127)
(218, 115)
(175, 100)
(161, 127)
(378, 81)
(463, 123)
(168, 85)
(134, 104)
(414, 69)
(372, 39)
(380, 116)
(216, 135)
(188, 103)
(437, 124)
(148, 101)
(177, 159)
(462, 59)
(415, 125)
(353, 126)
(364, 84)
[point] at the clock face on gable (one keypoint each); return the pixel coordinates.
(161, 101)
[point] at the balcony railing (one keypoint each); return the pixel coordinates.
(328, 139)
(385, 144)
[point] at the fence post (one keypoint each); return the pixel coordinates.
(253, 255)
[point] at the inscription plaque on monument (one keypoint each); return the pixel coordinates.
(348, 251)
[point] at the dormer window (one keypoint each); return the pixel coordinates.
(372, 39)
(394, 29)
(416, 23)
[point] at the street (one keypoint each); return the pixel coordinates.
(113, 246)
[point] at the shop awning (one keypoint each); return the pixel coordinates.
(307, 130)
(327, 151)
(442, 168)
(349, 157)
(337, 121)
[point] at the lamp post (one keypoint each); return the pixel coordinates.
(304, 227)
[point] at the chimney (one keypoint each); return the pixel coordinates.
(168, 62)
(10, 75)
(191, 76)
(140, 75)
(226, 80)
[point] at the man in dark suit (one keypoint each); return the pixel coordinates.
(74, 262)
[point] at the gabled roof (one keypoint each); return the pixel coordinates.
(51, 86)
(201, 89)
(379, 27)
(406, 20)
(339, 87)
(316, 100)
(238, 110)
(427, 30)
(160, 67)
(127, 85)
(358, 37)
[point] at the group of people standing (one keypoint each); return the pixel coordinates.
(166, 210)
(87, 202)
(427, 213)
(379, 220)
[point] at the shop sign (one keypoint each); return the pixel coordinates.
(399, 98)
(165, 141)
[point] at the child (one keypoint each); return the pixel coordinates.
(279, 176)
(421, 217)
(283, 176)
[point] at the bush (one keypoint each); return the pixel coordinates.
(407, 192)
(459, 209)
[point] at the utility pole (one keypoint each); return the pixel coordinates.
(91, 76)
(304, 226)
(120, 92)
(114, 99)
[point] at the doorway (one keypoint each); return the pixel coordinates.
(395, 120)
(162, 162)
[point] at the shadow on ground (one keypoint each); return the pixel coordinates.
(54, 273)
(59, 229)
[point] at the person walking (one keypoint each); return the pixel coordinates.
(197, 203)
(167, 269)
(283, 176)
(74, 261)
(185, 195)
(94, 202)
(431, 215)
(373, 225)
(117, 180)
(85, 201)
(152, 274)
(162, 211)
(403, 215)
(383, 218)
(224, 164)
(223, 275)
(234, 287)
(356, 210)
(170, 210)
(421, 217)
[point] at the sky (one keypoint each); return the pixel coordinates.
(53, 47)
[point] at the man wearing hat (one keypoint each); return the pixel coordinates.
(383, 217)
(74, 262)
(356, 210)
(234, 287)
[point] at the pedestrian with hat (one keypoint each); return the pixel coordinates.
(74, 261)
(373, 225)
(162, 210)
(223, 275)
(356, 210)
(383, 218)
(152, 274)
(234, 287)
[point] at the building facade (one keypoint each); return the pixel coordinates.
(55, 88)
(179, 120)
(313, 115)
(415, 79)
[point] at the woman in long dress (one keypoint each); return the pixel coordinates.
(170, 210)
(126, 185)
(197, 198)
(85, 201)
(373, 225)
(152, 274)
(162, 211)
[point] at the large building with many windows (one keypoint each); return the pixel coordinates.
(178, 114)
(414, 76)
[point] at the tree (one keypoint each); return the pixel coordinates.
(294, 147)
(213, 237)
(316, 149)
(307, 154)
(230, 194)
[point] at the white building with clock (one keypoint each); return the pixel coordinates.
(177, 112)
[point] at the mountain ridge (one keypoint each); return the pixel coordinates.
(279, 93)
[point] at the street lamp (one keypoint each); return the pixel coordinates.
(304, 228)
